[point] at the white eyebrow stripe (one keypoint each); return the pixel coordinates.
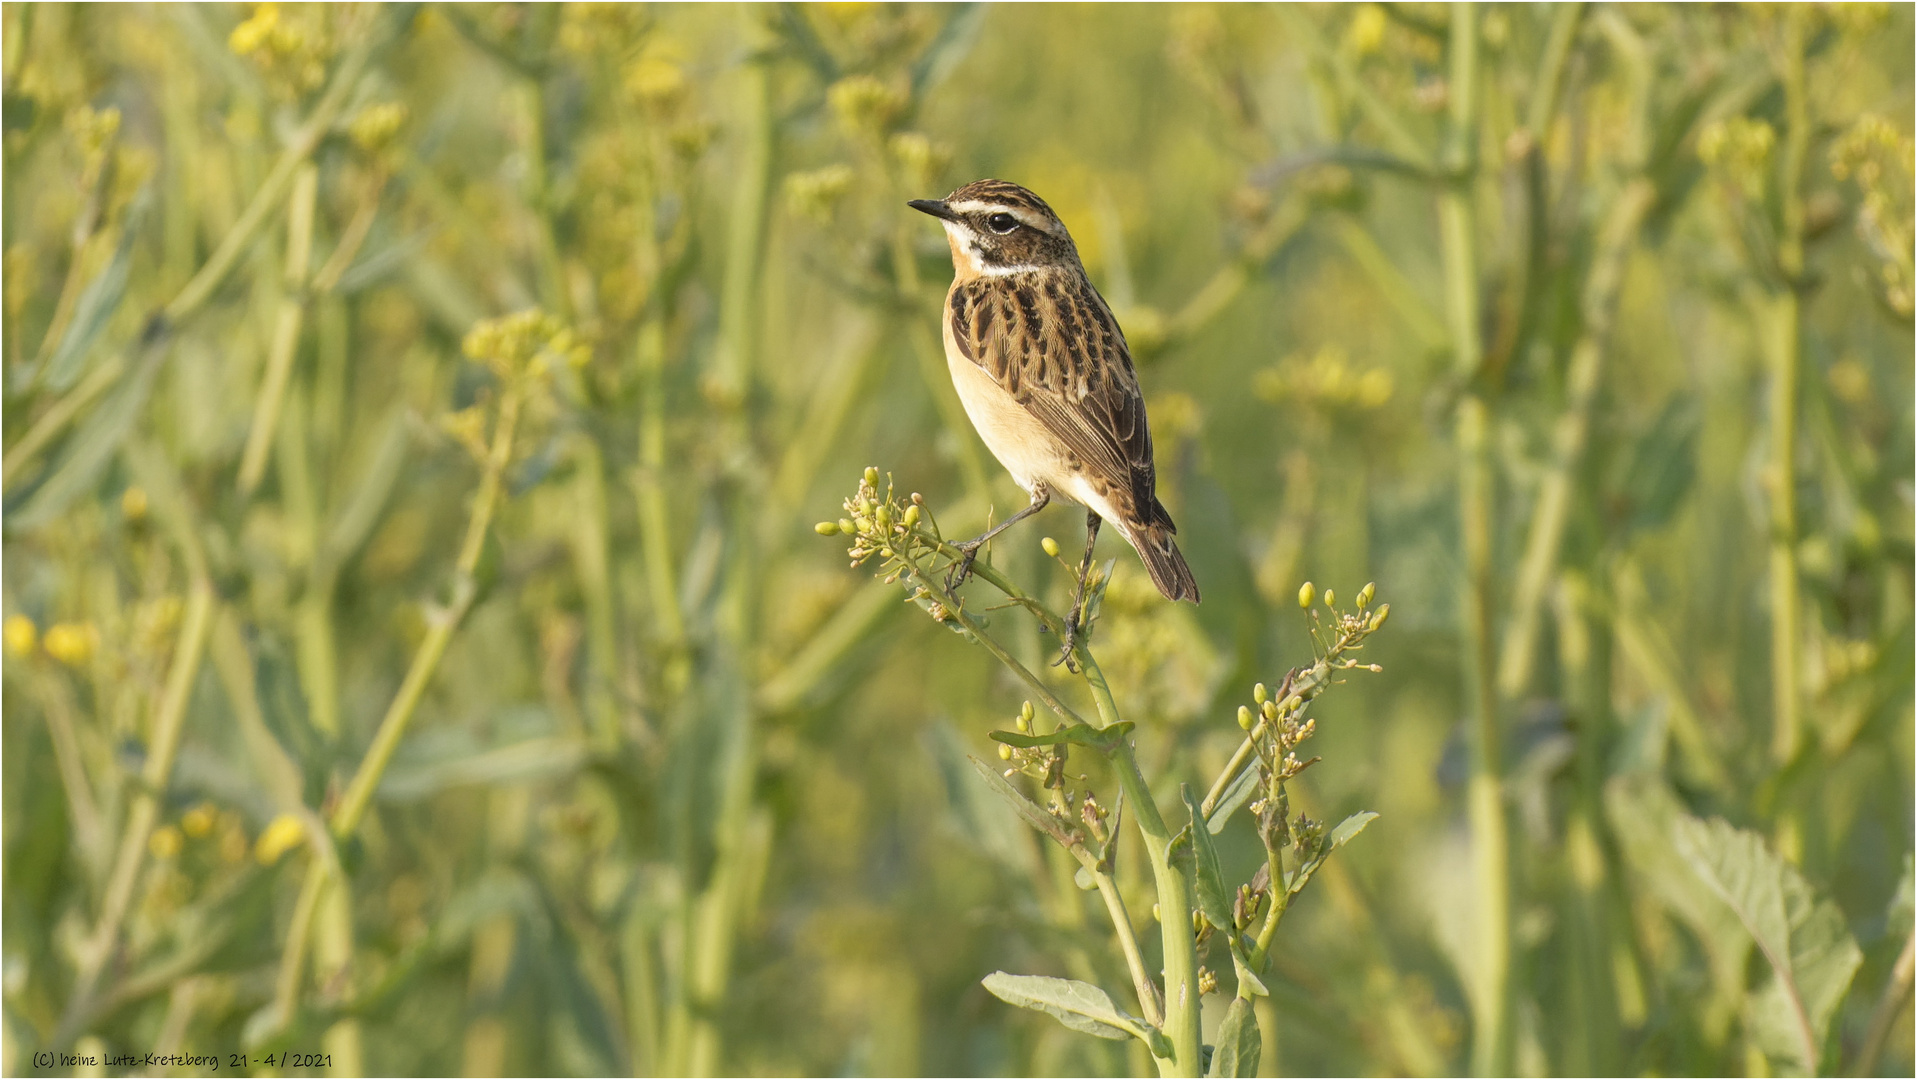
(1028, 217)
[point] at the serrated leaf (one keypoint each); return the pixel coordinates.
(1239, 1042)
(1033, 814)
(1236, 794)
(1078, 1005)
(1212, 899)
(1811, 952)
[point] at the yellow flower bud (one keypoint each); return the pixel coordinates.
(72, 643)
(1331, 598)
(1306, 593)
(1004, 752)
(1259, 693)
(285, 833)
(1026, 712)
(1365, 594)
(1378, 619)
(871, 476)
(165, 842)
(1050, 545)
(1156, 917)
(198, 821)
(826, 528)
(21, 635)
(847, 527)
(911, 517)
(133, 504)
(1244, 718)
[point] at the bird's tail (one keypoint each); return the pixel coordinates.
(1163, 562)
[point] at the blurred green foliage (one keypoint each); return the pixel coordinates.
(1598, 361)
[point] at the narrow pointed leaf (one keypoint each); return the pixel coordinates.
(1236, 794)
(1212, 899)
(1033, 814)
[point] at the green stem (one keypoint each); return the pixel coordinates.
(1783, 338)
(1457, 224)
(359, 792)
(169, 720)
(286, 328)
(1571, 436)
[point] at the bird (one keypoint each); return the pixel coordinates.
(1046, 378)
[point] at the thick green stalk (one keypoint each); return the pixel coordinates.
(1457, 225)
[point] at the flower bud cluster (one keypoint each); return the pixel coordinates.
(888, 528)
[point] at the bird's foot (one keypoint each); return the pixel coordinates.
(961, 568)
(1067, 654)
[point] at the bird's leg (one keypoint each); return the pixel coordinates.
(1072, 617)
(962, 569)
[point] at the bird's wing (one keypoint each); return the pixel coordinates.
(1049, 340)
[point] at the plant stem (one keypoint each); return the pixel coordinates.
(286, 328)
(1149, 1002)
(1890, 1005)
(1571, 436)
(359, 792)
(169, 720)
(1782, 337)
(1457, 223)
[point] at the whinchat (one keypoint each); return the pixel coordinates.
(1045, 376)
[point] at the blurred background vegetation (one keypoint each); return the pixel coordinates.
(486, 704)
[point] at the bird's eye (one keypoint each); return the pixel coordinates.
(1001, 223)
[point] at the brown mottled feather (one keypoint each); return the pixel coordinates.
(1050, 341)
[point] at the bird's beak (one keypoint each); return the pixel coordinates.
(934, 207)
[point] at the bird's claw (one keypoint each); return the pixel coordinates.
(961, 569)
(1065, 654)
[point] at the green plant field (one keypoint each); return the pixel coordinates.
(419, 651)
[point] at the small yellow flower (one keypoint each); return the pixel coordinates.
(285, 833)
(865, 104)
(376, 125)
(199, 821)
(165, 842)
(21, 635)
(656, 81)
(1367, 30)
(72, 644)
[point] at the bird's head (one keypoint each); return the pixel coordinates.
(998, 228)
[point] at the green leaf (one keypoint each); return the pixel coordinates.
(1338, 838)
(1235, 795)
(1078, 1005)
(1103, 740)
(1811, 953)
(1033, 814)
(1349, 828)
(1239, 1043)
(88, 450)
(1212, 898)
(97, 302)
